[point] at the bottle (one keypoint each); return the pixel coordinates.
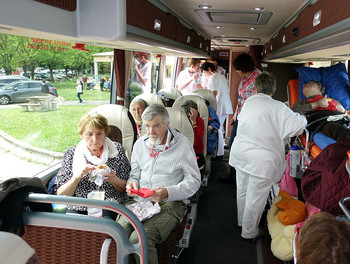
(294, 161)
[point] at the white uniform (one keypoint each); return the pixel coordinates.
(219, 83)
(184, 77)
(146, 71)
(258, 154)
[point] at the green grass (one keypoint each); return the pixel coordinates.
(68, 91)
(53, 130)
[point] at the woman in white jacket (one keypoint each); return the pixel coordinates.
(219, 85)
(258, 150)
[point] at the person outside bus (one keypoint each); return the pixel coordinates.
(162, 160)
(79, 89)
(258, 151)
(85, 81)
(143, 71)
(317, 106)
(219, 85)
(95, 148)
(189, 79)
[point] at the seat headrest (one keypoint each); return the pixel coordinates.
(122, 124)
(209, 96)
(150, 99)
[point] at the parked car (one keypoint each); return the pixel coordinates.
(19, 91)
(11, 78)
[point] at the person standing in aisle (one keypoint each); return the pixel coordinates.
(189, 79)
(219, 85)
(258, 151)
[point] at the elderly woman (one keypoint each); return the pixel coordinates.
(258, 151)
(197, 122)
(137, 107)
(74, 177)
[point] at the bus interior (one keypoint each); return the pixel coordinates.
(297, 41)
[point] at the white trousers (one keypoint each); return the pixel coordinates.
(220, 151)
(252, 194)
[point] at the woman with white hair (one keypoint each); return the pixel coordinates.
(258, 151)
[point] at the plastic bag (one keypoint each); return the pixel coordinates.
(144, 210)
(99, 195)
(97, 175)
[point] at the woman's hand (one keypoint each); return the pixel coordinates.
(69, 187)
(84, 172)
(193, 115)
(113, 179)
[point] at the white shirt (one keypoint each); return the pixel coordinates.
(146, 71)
(219, 83)
(264, 125)
(184, 77)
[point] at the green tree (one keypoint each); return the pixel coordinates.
(8, 52)
(27, 55)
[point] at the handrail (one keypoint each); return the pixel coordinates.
(343, 207)
(124, 248)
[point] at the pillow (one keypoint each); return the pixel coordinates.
(335, 78)
(336, 81)
(307, 74)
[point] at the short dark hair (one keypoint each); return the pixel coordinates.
(206, 65)
(244, 63)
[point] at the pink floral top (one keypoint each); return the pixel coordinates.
(246, 88)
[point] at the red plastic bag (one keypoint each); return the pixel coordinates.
(143, 192)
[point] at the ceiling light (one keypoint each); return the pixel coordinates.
(205, 6)
(252, 28)
(218, 27)
(258, 8)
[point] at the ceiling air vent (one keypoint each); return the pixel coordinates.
(229, 40)
(234, 16)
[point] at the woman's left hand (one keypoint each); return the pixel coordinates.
(113, 179)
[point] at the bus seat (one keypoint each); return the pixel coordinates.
(150, 99)
(75, 238)
(122, 124)
(209, 96)
(172, 94)
(293, 91)
(180, 122)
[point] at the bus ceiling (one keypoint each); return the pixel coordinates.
(291, 31)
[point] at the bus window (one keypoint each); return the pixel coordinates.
(43, 127)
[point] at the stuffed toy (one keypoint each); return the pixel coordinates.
(292, 211)
(281, 235)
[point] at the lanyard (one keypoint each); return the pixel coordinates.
(249, 80)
